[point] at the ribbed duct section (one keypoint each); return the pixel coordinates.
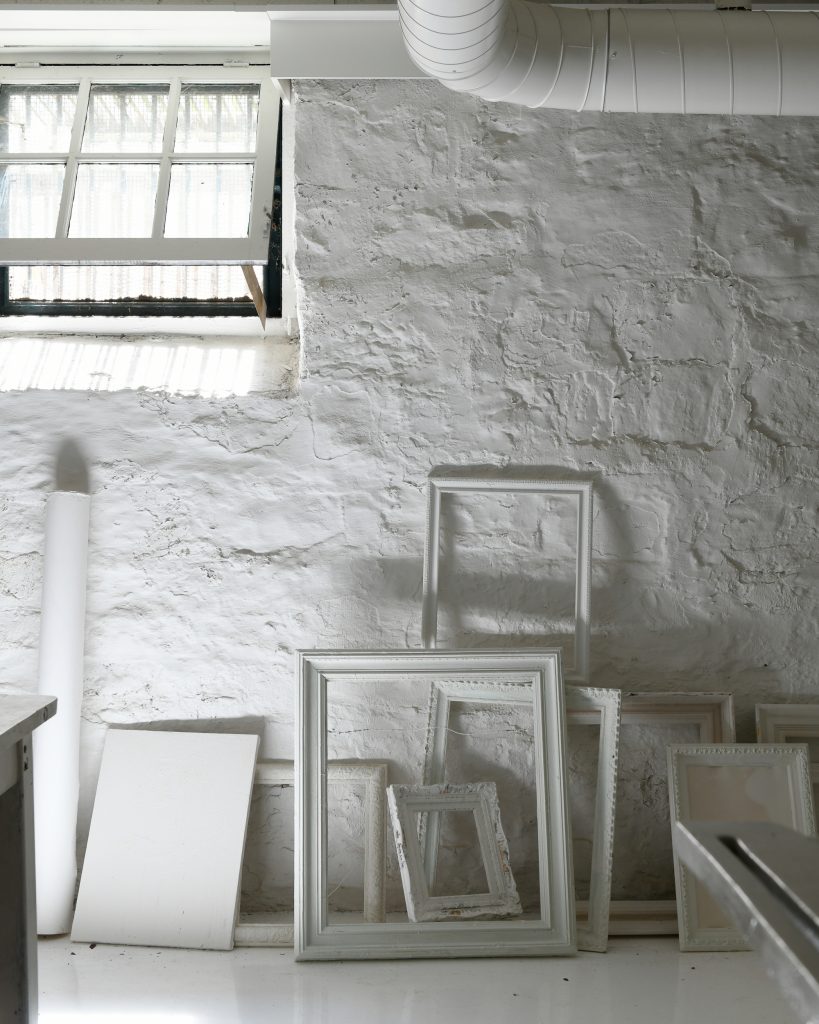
(632, 60)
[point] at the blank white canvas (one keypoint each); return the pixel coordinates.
(164, 857)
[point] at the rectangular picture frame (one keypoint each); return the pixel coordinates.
(275, 930)
(790, 723)
(713, 716)
(553, 932)
(791, 805)
(440, 483)
(584, 705)
(406, 804)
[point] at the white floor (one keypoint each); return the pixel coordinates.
(640, 981)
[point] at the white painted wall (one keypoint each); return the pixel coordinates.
(632, 297)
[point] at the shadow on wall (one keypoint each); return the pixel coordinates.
(72, 473)
(643, 635)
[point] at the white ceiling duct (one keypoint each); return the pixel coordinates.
(634, 60)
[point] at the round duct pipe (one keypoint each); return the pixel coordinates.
(621, 59)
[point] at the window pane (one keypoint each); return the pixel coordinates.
(37, 120)
(125, 119)
(30, 199)
(114, 201)
(213, 120)
(209, 201)
(103, 284)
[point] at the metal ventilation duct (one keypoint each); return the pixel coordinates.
(634, 60)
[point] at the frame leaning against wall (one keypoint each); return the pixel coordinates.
(272, 930)
(584, 706)
(713, 716)
(790, 723)
(481, 800)
(439, 484)
(553, 931)
(793, 808)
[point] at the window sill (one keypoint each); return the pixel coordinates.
(196, 356)
(150, 326)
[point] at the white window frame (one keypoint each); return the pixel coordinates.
(156, 250)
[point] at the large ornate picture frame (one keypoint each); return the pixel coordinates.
(584, 706)
(552, 931)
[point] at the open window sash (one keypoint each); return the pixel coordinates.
(158, 247)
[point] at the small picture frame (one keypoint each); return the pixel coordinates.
(744, 782)
(481, 799)
(550, 930)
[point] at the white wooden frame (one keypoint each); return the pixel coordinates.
(794, 758)
(584, 706)
(270, 930)
(713, 715)
(789, 723)
(553, 932)
(481, 798)
(60, 249)
(439, 485)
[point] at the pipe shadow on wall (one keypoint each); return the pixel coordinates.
(71, 468)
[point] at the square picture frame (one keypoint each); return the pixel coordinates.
(440, 484)
(740, 783)
(552, 932)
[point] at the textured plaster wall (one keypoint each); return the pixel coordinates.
(633, 298)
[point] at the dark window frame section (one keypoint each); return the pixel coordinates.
(271, 285)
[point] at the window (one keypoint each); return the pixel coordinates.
(139, 191)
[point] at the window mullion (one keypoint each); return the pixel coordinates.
(168, 140)
(70, 179)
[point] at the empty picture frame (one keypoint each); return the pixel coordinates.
(164, 857)
(712, 716)
(745, 782)
(275, 929)
(584, 706)
(552, 931)
(792, 723)
(438, 485)
(481, 798)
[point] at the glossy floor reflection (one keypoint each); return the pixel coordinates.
(640, 981)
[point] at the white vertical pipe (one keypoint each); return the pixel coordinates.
(57, 743)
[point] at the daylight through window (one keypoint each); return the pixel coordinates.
(138, 193)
